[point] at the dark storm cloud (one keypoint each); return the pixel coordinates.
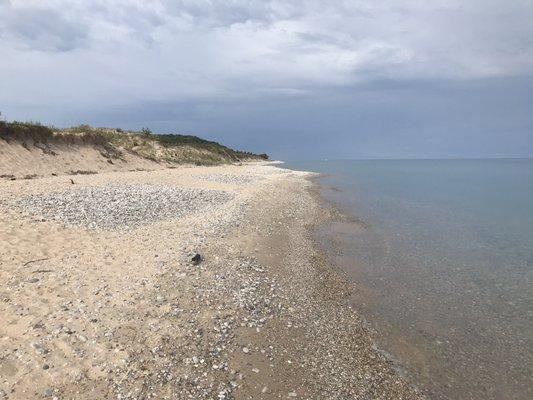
(365, 73)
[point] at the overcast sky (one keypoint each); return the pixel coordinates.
(296, 79)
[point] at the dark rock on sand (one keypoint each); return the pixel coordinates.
(197, 259)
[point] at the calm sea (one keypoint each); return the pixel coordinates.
(441, 252)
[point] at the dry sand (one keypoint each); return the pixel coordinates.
(20, 160)
(99, 298)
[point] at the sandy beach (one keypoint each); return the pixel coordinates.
(100, 298)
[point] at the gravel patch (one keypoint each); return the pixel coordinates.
(115, 207)
(230, 179)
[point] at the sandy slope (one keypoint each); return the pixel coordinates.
(121, 312)
(29, 161)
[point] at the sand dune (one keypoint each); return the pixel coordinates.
(24, 161)
(29, 150)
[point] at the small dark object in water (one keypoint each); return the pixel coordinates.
(197, 259)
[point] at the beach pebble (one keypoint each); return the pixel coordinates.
(39, 349)
(121, 206)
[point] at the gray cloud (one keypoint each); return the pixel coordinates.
(224, 14)
(87, 57)
(40, 28)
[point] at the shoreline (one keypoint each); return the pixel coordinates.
(263, 316)
(320, 234)
(413, 259)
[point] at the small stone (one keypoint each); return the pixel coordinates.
(293, 394)
(46, 366)
(34, 280)
(48, 392)
(245, 350)
(255, 370)
(39, 349)
(197, 259)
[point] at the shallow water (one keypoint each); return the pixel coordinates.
(442, 255)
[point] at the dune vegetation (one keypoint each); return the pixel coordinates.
(114, 142)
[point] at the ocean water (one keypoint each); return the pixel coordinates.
(441, 253)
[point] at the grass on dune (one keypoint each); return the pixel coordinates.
(179, 149)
